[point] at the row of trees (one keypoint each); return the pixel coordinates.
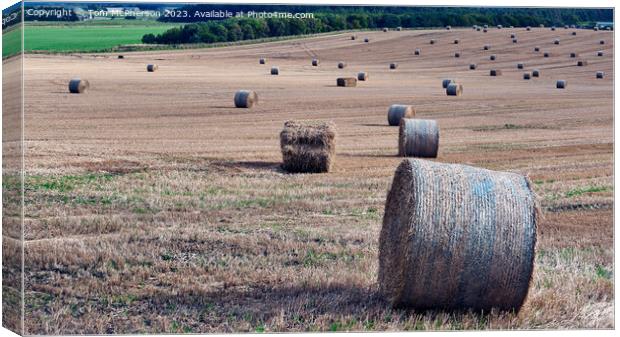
(243, 28)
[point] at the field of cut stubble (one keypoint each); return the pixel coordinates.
(153, 205)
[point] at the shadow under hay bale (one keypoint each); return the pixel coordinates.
(362, 76)
(418, 138)
(245, 99)
(78, 86)
(432, 41)
(457, 237)
(346, 81)
(454, 89)
(152, 68)
(308, 146)
(396, 112)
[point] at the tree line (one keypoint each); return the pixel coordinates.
(244, 28)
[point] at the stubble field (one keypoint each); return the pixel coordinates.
(153, 205)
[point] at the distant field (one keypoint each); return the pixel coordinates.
(11, 42)
(67, 38)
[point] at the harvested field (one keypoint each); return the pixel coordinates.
(154, 205)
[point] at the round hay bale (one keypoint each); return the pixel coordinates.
(457, 54)
(385, 30)
(495, 72)
(366, 40)
(573, 26)
(486, 26)
(457, 237)
(573, 55)
(599, 53)
(561, 84)
(341, 65)
(600, 74)
(121, 56)
(526, 76)
(472, 66)
(535, 73)
(520, 65)
(417, 51)
(454, 89)
(515, 41)
(541, 26)
(565, 26)
(353, 37)
(486, 47)
(245, 99)
(456, 41)
(315, 62)
(536, 49)
(492, 57)
(546, 55)
(601, 42)
(512, 36)
(574, 33)
(553, 28)
(275, 71)
(448, 27)
(78, 86)
(582, 63)
(308, 146)
(396, 112)
(432, 41)
(484, 30)
(362, 76)
(596, 29)
(478, 29)
(393, 65)
(528, 28)
(556, 41)
(398, 29)
(346, 81)
(262, 60)
(151, 68)
(500, 26)
(418, 138)
(446, 82)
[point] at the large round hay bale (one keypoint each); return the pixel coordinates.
(601, 42)
(520, 65)
(457, 54)
(596, 29)
(262, 60)
(484, 30)
(561, 84)
(121, 56)
(582, 63)
(574, 33)
(448, 27)
(541, 25)
(500, 26)
(445, 82)
(151, 67)
(385, 30)
(78, 86)
(396, 112)
(341, 65)
(512, 36)
(275, 71)
(399, 29)
(362, 76)
(315, 62)
(393, 65)
(366, 40)
(515, 41)
(432, 41)
(526, 76)
(556, 41)
(553, 28)
(565, 26)
(495, 72)
(528, 28)
(472, 66)
(417, 51)
(573, 55)
(418, 138)
(346, 81)
(456, 41)
(492, 57)
(536, 49)
(600, 74)
(486, 26)
(308, 146)
(457, 237)
(454, 89)
(535, 73)
(353, 37)
(546, 55)
(599, 53)
(245, 98)
(478, 29)
(486, 47)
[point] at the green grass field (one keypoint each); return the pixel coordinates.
(11, 42)
(79, 37)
